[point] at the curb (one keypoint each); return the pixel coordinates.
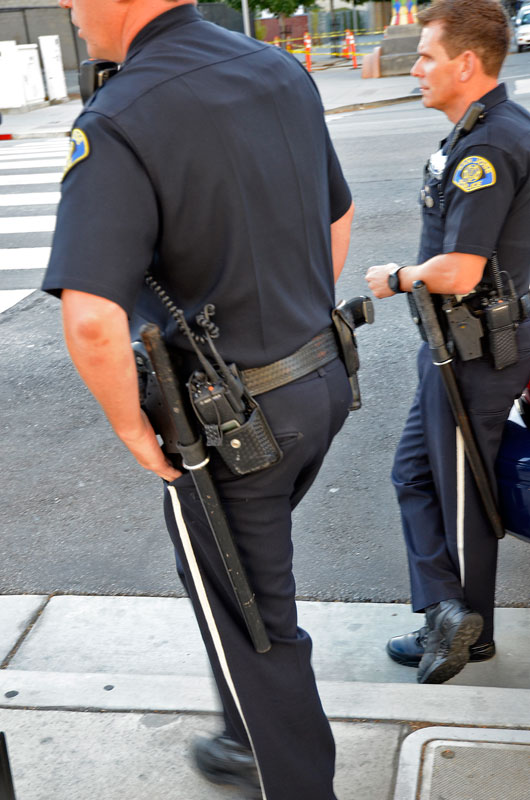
(34, 135)
(372, 104)
(45, 134)
(474, 706)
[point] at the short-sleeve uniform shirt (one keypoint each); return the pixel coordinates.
(480, 204)
(205, 160)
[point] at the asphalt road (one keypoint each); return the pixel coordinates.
(77, 514)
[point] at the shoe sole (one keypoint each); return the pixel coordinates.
(228, 780)
(414, 661)
(458, 656)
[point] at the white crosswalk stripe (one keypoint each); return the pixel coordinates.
(27, 180)
(26, 231)
(27, 224)
(30, 199)
(28, 164)
(24, 257)
(28, 156)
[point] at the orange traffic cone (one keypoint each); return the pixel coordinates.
(307, 48)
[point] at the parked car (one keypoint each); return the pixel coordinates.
(522, 28)
(513, 470)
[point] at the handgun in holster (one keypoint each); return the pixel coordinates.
(346, 318)
(152, 402)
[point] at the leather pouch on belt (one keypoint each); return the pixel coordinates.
(250, 447)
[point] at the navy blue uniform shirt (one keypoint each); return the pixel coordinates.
(207, 160)
(483, 199)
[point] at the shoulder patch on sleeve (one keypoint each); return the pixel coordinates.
(474, 172)
(79, 149)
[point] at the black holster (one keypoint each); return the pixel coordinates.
(346, 317)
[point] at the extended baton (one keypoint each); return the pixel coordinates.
(195, 459)
(7, 791)
(443, 359)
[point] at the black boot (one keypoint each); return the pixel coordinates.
(453, 628)
(227, 763)
(409, 648)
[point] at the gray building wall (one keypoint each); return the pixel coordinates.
(25, 21)
(24, 24)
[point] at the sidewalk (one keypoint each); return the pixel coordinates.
(341, 88)
(100, 697)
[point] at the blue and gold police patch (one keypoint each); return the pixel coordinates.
(79, 149)
(474, 172)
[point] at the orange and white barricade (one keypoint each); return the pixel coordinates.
(352, 53)
(307, 49)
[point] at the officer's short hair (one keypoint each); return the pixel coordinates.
(478, 25)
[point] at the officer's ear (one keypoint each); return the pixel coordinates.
(469, 62)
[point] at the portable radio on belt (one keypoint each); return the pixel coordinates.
(487, 320)
(230, 417)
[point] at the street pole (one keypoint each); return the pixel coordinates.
(246, 17)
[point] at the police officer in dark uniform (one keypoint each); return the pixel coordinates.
(474, 257)
(206, 162)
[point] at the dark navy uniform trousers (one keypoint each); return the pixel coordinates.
(270, 700)
(451, 547)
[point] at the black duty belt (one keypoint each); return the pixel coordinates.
(316, 353)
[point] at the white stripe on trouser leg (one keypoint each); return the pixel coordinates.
(460, 501)
(207, 611)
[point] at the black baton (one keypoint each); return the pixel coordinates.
(195, 459)
(7, 791)
(443, 359)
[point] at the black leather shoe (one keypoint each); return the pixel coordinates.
(409, 648)
(227, 763)
(453, 628)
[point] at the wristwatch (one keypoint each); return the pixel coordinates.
(393, 281)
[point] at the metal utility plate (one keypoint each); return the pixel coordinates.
(444, 763)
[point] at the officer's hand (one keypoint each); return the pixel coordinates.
(148, 453)
(377, 279)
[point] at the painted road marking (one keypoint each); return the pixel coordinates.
(27, 224)
(24, 257)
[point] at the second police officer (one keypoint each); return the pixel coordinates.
(474, 257)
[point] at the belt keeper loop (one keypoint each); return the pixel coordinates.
(524, 303)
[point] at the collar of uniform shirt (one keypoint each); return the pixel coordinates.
(176, 16)
(489, 100)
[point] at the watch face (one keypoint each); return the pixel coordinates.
(393, 282)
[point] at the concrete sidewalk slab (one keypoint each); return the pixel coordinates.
(344, 89)
(159, 636)
(340, 89)
(145, 653)
(65, 755)
(140, 635)
(17, 612)
(50, 121)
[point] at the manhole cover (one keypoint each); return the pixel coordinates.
(475, 771)
(446, 763)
